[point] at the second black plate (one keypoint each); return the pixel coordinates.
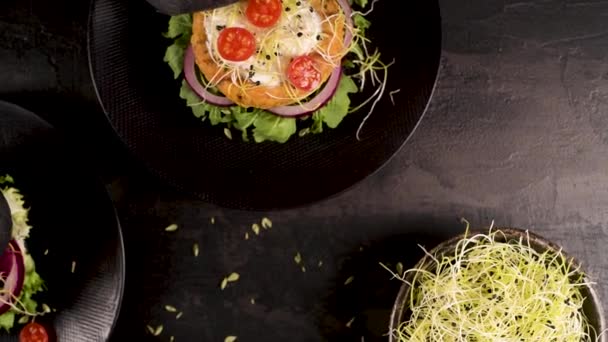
(137, 92)
(73, 220)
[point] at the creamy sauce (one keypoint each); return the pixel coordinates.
(297, 33)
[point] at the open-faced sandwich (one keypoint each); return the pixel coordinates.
(18, 276)
(274, 68)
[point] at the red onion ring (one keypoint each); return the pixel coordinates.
(12, 266)
(197, 87)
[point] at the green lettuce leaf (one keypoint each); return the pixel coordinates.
(180, 29)
(7, 320)
(337, 108)
(273, 128)
(179, 25)
(362, 23)
(6, 179)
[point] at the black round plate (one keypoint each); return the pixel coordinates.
(140, 97)
(73, 217)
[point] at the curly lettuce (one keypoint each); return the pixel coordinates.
(254, 123)
(32, 283)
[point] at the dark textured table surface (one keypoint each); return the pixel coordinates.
(517, 132)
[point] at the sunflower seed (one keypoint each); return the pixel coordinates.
(171, 228)
(179, 315)
(228, 133)
(224, 283)
(256, 228)
(266, 223)
(230, 339)
(170, 308)
(298, 258)
(23, 320)
(349, 280)
(158, 330)
(195, 249)
(233, 277)
(350, 323)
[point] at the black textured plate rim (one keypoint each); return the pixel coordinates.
(123, 263)
(103, 189)
(175, 184)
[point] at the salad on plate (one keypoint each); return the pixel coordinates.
(271, 69)
(18, 276)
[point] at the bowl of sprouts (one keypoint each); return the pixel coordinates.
(504, 284)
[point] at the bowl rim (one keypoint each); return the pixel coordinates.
(399, 306)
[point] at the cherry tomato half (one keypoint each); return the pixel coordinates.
(33, 332)
(304, 73)
(264, 13)
(236, 44)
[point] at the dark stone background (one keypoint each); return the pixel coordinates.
(517, 132)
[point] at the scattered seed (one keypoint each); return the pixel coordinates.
(73, 266)
(256, 228)
(320, 264)
(246, 236)
(252, 301)
(23, 320)
(171, 228)
(230, 339)
(171, 339)
(195, 249)
(266, 223)
(350, 323)
(233, 277)
(228, 133)
(170, 308)
(150, 329)
(212, 220)
(297, 258)
(349, 280)
(179, 315)
(303, 269)
(224, 283)
(399, 268)
(46, 252)
(361, 249)
(46, 308)
(158, 330)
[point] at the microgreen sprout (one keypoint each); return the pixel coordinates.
(495, 288)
